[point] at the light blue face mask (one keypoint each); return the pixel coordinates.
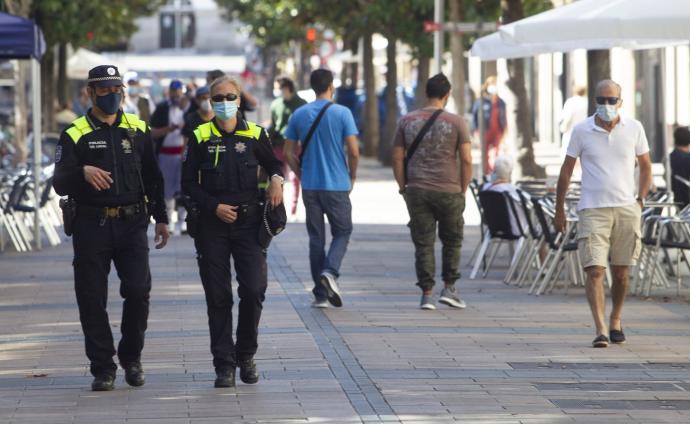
(225, 110)
(607, 112)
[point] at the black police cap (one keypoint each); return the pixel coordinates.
(105, 76)
(273, 223)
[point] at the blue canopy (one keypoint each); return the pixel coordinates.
(20, 38)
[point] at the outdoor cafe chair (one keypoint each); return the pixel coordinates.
(562, 251)
(497, 208)
(661, 234)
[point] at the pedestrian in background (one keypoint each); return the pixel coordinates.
(106, 164)
(574, 111)
(137, 101)
(501, 182)
(608, 145)
(680, 165)
(282, 109)
(322, 130)
(202, 114)
(166, 126)
(433, 166)
(493, 110)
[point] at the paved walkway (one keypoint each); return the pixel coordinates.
(507, 358)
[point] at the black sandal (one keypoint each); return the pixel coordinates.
(617, 336)
(600, 341)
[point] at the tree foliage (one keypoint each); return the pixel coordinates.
(82, 23)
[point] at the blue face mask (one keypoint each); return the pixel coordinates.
(225, 110)
(109, 103)
(607, 112)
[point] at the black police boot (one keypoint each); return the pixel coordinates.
(248, 373)
(225, 378)
(134, 374)
(103, 383)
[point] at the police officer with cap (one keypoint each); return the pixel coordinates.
(105, 163)
(220, 175)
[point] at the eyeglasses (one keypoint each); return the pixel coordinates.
(602, 100)
(221, 97)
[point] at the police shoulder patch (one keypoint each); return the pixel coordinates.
(58, 153)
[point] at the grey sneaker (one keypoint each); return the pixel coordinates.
(449, 296)
(333, 292)
(427, 302)
(320, 303)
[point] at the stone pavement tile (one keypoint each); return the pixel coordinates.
(378, 356)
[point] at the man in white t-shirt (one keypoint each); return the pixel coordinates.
(607, 145)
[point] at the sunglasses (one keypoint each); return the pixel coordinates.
(221, 97)
(602, 100)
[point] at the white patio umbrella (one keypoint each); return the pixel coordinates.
(82, 60)
(616, 21)
(494, 46)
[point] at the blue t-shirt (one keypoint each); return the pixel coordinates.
(324, 165)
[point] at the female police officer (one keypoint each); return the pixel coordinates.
(105, 163)
(220, 175)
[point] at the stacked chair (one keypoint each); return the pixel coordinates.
(18, 206)
(661, 235)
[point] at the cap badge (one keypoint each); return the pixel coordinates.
(111, 71)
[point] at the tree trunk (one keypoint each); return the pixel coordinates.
(21, 112)
(269, 57)
(302, 64)
(21, 105)
(385, 147)
(598, 68)
(422, 77)
(353, 67)
(371, 110)
(62, 84)
(516, 83)
(48, 90)
(512, 11)
(457, 52)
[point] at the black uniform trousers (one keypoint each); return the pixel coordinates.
(215, 243)
(124, 242)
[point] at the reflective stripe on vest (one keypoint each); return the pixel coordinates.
(130, 120)
(81, 126)
(203, 132)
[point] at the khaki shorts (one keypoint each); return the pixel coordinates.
(609, 232)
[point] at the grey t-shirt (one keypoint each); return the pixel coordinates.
(435, 164)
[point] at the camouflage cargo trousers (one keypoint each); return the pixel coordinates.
(429, 210)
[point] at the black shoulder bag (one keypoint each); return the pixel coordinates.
(306, 140)
(418, 139)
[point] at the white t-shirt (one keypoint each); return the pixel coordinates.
(608, 161)
(175, 138)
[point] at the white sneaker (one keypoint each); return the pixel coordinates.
(333, 292)
(449, 296)
(320, 303)
(427, 303)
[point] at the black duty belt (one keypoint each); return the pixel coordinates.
(112, 212)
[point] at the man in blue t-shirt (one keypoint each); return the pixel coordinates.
(327, 177)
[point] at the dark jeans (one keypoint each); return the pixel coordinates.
(336, 206)
(427, 209)
(215, 243)
(124, 242)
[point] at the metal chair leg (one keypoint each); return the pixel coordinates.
(480, 257)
